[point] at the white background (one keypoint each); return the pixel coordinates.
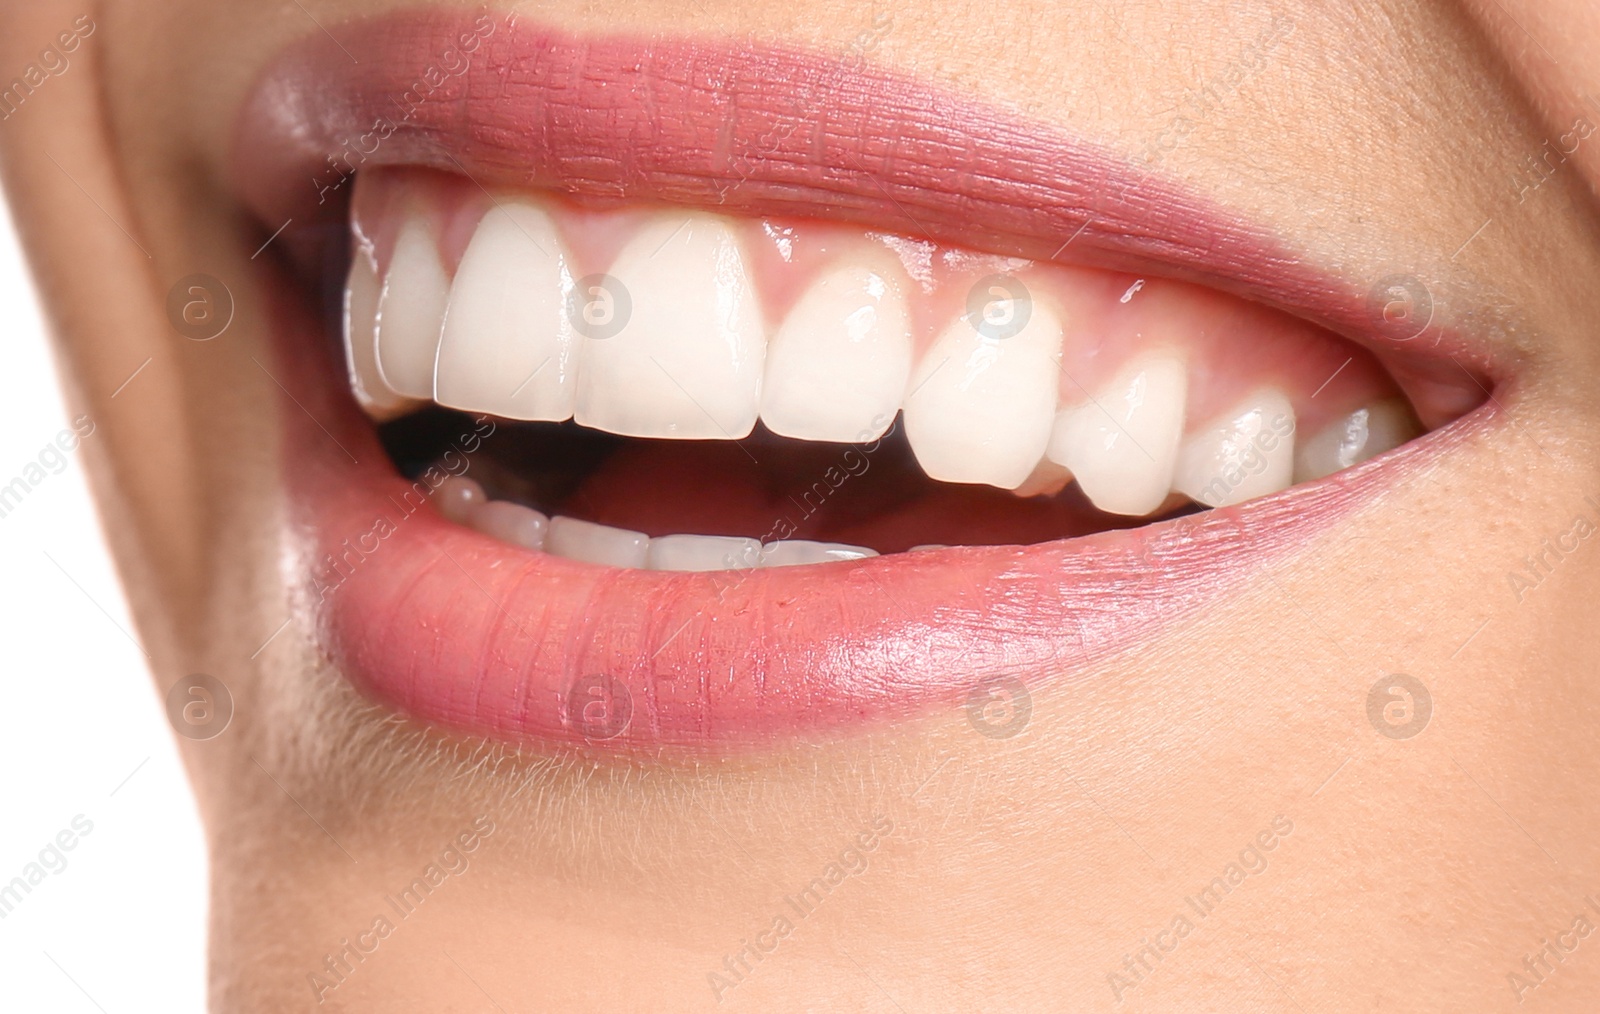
(122, 926)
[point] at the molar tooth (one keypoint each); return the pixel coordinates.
(703, 552)
(1365, 433)
(687, 362)
(1122, 445)
(513, 523)
(1245, 453)
(799, 552)
(981, 407)
(360, 338)
(592, 543)
(411, 310)
(508, 345)
(837, 367)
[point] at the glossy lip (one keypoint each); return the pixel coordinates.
(454, 628)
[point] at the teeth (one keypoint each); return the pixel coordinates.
(592, 543)
(981, 407)
(837, 368)
(799, 552)
(360, 338)
(702, 552)
(460, 499)
(1122, 446)
(671, 343)
(512, 522)
(508, 345)
(687, 363)
(1365, 433)
(411, 310)
(1046, 479)
(1248, 452)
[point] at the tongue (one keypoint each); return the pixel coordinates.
(772, 490)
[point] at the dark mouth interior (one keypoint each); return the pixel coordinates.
(765, 487)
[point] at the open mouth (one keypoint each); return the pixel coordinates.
(689, 330)
(701, 423)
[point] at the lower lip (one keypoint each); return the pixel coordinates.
(458, 630)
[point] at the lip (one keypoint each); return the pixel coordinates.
(459, 630)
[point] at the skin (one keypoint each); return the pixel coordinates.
(1419, 872)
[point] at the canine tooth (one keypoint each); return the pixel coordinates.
(837, 367)
(981, 407)
(460, 499)
(1243, 454)
(411, 311)
(360, 338)
(513, 523)
(799, 552)
(508, 345)
(687, 363)
(592, 543)
(702, 552)
(1122, 445)
(1364, 433)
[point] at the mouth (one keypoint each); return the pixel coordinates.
(691, 396)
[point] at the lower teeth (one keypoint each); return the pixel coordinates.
(465, 502)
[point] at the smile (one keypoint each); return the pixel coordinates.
(686, 396)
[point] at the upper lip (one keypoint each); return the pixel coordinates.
(759, 130)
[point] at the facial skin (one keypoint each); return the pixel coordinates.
(978, 874)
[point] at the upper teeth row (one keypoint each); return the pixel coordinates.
(671, 342)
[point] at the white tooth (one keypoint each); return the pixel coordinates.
(799, 552)
(360, 338)
(411, 311)
(703, 552)
(1243, 454)
(687, 363)
(1365, 433)
(837, 368)
(509, 347)
(460, 499)
(1046, 479)
(980, 407)
(512, 522)
(592, 543)
(1122, 445)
